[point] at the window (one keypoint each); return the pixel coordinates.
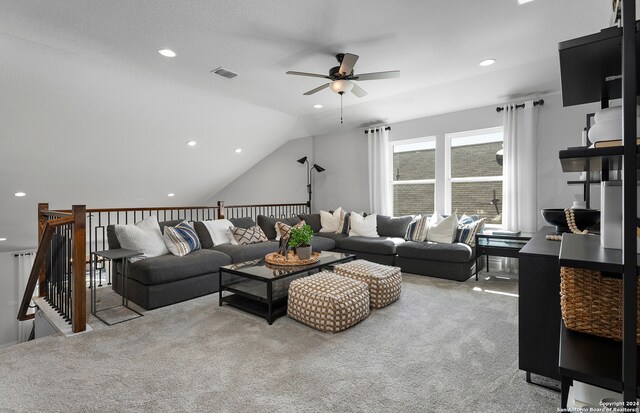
(414, 176)
(474, 174)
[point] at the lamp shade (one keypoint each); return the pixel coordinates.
(341, 86)
(318, 167)
(302, 160)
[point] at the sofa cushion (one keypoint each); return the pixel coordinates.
(331, 235)
(241, 253)
(144, 236)
(203, 235)
(172, 223)
(434, 251)
(372, 245)
(393, 226)
(268, 224)
(112, 239)
(247, 236)
(245, 222)
(323, 243)
(168, 268)
(313, 220)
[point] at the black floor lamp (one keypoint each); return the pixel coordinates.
(310, 168)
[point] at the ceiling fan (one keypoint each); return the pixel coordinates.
(342, 77)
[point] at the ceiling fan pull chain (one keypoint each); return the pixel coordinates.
(341, 94)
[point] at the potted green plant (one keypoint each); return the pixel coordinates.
(300, 239)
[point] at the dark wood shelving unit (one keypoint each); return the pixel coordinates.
(591, 359)
(598, 68)
(585, 251)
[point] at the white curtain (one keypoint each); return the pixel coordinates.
(25, 262)
(379, 172)
(520, 160)
(520, 210)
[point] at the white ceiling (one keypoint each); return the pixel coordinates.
(91, 113)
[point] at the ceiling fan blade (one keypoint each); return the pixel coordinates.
(392, 74)
(348, 61)
(358, 91)
(318, 89)
(291, 72)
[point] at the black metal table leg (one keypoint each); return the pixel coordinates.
(220, 287)
(270, 301)
(487, 262)
(476, 267)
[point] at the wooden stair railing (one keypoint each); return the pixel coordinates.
(48, 222)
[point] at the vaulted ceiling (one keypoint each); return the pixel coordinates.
(90, 113)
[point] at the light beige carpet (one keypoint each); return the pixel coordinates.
(445, 346)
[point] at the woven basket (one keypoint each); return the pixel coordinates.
(592, 303)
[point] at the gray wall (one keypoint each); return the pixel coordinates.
(8, 299)
(278, 178)
(344, 155)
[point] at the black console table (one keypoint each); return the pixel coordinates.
(539, 306)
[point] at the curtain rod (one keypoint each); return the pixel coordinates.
(23, 253)
(377, 129)
(520, 106)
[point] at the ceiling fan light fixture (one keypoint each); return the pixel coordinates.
(341, 86)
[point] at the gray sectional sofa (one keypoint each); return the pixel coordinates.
(168, 279)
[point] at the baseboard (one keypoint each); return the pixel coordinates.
(13, 343)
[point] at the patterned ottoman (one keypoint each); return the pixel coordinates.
(384, 281)
(328, 302)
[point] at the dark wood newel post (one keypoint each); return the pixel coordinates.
(42, 221)
(220, 209)
(78, 283)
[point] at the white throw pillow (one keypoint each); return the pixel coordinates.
(144, 237)
(442, 229)
(363, 226)
(218, 230)
(330, 221)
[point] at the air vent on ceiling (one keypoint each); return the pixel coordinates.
(224, 72)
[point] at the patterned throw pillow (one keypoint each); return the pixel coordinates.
(466, 232)
(246, 236)
(417, 229)
(283, 230)
(181, 239)
(343, 222)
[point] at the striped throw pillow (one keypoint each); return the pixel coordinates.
(417, 229)
(343, 222)
(181, 239)
(466, 232)
(246, 236)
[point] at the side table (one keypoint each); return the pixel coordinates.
(112, 256)
(499, 245)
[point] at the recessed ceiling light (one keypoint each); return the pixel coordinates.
(19, 194)
(192, 143)
(487, 62)
(521, 2)
(3, 239)
(171, 194)
(167, 52)
(317, 106)
(238, 150)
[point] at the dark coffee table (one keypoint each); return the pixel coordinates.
(262, 289)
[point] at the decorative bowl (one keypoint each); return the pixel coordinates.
(585, 218)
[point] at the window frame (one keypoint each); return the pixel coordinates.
(422, 139)
(448, 190)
